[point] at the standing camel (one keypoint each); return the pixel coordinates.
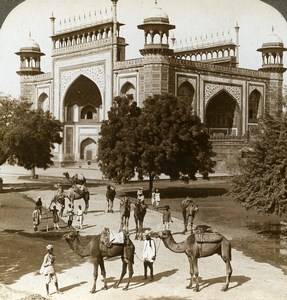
(189, 209)
(139, 214)
(73, 194)
(125, 212)
(197, 246)
(99, 248)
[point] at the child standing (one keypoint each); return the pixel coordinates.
(55, 217)
(149, 255)
(166, 218)
(80, 217)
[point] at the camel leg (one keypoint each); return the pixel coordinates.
(124, 271)
(184, 221)
(103, 272)
(131, 272)
(226, 256)
(141, 230)
(96, 264)
(191, 271)
(137, 229)
(122, 224)
(196, 273)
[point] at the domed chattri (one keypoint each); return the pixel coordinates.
(156, 14)
(30, 44)
(273, 40)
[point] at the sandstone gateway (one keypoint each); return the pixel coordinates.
(89, 69)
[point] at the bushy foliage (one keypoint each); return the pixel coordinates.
(163, 137)
(262, 182)
(117, 152)
(27, 136)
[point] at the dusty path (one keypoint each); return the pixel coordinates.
(250, 280)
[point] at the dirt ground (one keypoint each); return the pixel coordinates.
(22, 251)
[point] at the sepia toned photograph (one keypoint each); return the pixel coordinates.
(143, 149)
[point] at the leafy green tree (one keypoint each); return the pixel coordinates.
(262, 180)
(164, 137)
(174, 141)
(117, 151)
(27, 136)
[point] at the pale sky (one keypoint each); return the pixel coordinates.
(192, 18)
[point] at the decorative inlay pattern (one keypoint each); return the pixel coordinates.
(131, 80)
(211, 89)
(256, 87)
(182, 79)
(95, 73)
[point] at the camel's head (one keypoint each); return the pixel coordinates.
(70, 236)
(162, 234)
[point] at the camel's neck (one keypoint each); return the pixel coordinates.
(170, 243)
(78, 248)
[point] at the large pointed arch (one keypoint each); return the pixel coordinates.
(223, 115)
(83, 92)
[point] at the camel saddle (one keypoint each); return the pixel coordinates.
(208, 237)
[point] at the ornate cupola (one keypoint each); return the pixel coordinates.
(30, 58)
(156, 28)
(272, 54)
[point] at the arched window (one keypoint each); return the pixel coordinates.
(128, 89)
(43, 102)
(89, 113)
(186, 92)
(253, 106)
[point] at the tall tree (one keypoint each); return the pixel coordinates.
(162, 137)
(262, 180)
(174, 141)
(117, 151)
(27, 136)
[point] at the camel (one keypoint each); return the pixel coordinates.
(75, 179)
(139, 214)
(99, 248)
(189, 209)
(125, 211)
(197, 246)
(73, 193)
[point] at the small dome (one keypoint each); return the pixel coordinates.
(273, 40)
(156, 14)
(30, 44)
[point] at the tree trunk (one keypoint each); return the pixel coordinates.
(33, 173)
(151, 178)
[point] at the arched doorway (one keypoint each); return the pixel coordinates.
(43, 102)
(88, 150)
(83, 92)
(128, 89)
(254, 110)
(82, 118)
(186, 92)
(222, 115)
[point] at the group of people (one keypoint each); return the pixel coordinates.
(149, 246)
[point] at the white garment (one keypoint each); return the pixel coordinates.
(149, 250)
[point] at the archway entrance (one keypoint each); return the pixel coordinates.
(82, 118)
(222, 115)
(88, 150)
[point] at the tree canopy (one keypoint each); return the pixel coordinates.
(262, 180)
(162, 137)
(27, 136)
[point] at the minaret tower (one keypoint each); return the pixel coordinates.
(272, 61)
(30, 58)
(156, 31)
